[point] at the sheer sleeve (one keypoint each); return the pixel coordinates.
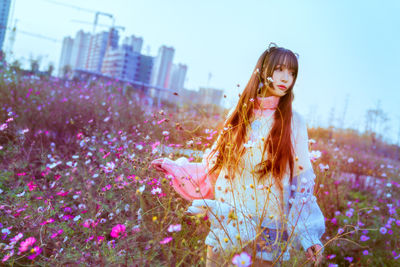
(305, 219)
(190, 179)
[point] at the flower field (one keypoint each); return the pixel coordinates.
(76, 188)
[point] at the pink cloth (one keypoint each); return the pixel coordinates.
(190, 179)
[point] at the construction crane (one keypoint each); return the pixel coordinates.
(101, 25)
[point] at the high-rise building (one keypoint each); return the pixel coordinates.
(4, 12)
(122, 63)
(178, 75)
(65, 58)
(135, 42)
(145, 69)
(99, 43)
(162, 67)
(80, 50)
(210, 96)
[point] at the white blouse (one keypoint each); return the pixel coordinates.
(263, 201)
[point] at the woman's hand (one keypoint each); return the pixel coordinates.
(311, 254)
(157, 164)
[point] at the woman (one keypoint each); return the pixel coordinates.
(257, 173)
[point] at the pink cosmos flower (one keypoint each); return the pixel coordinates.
(166, 240)
(36, 251)
(32, 186)
(118, 230)
(26, 244)
(47, 221)
(100, 239)
(242, 259)
(16, 238)
(62, 193)
(59, 232)
(364, 238)
(109, 167)
(9, 255)
(87, 223)
(383, 230)
(106, 188)
(365, 252)
(350, 259)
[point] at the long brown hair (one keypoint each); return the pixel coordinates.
(229, 147)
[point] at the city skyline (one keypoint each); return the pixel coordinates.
(348, 51)
(103, 54)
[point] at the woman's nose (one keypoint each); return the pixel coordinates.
(285, 76)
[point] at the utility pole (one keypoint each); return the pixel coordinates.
(344, 112)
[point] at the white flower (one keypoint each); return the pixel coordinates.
(315, 154)
(5, 231)
(189, 142)
(75, 157)
(270, 79)
(77, 218)
(139, 214)
(107, 119)
(55, 164)
(71, 164)
(323, 167)
(95, 175)
(350, 160)
(141, 189)
(140, 147)
(21, 194)
(109, 167)
(242, 259)
(311, 141)
(165, 133)
(174, 228)
(156, 190)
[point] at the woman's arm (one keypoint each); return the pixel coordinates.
(305, 219)
(190, 179)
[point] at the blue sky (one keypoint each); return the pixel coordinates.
(349, 50)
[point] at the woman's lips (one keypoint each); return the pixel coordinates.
(282, 86)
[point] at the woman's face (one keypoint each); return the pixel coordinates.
(282, 80)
